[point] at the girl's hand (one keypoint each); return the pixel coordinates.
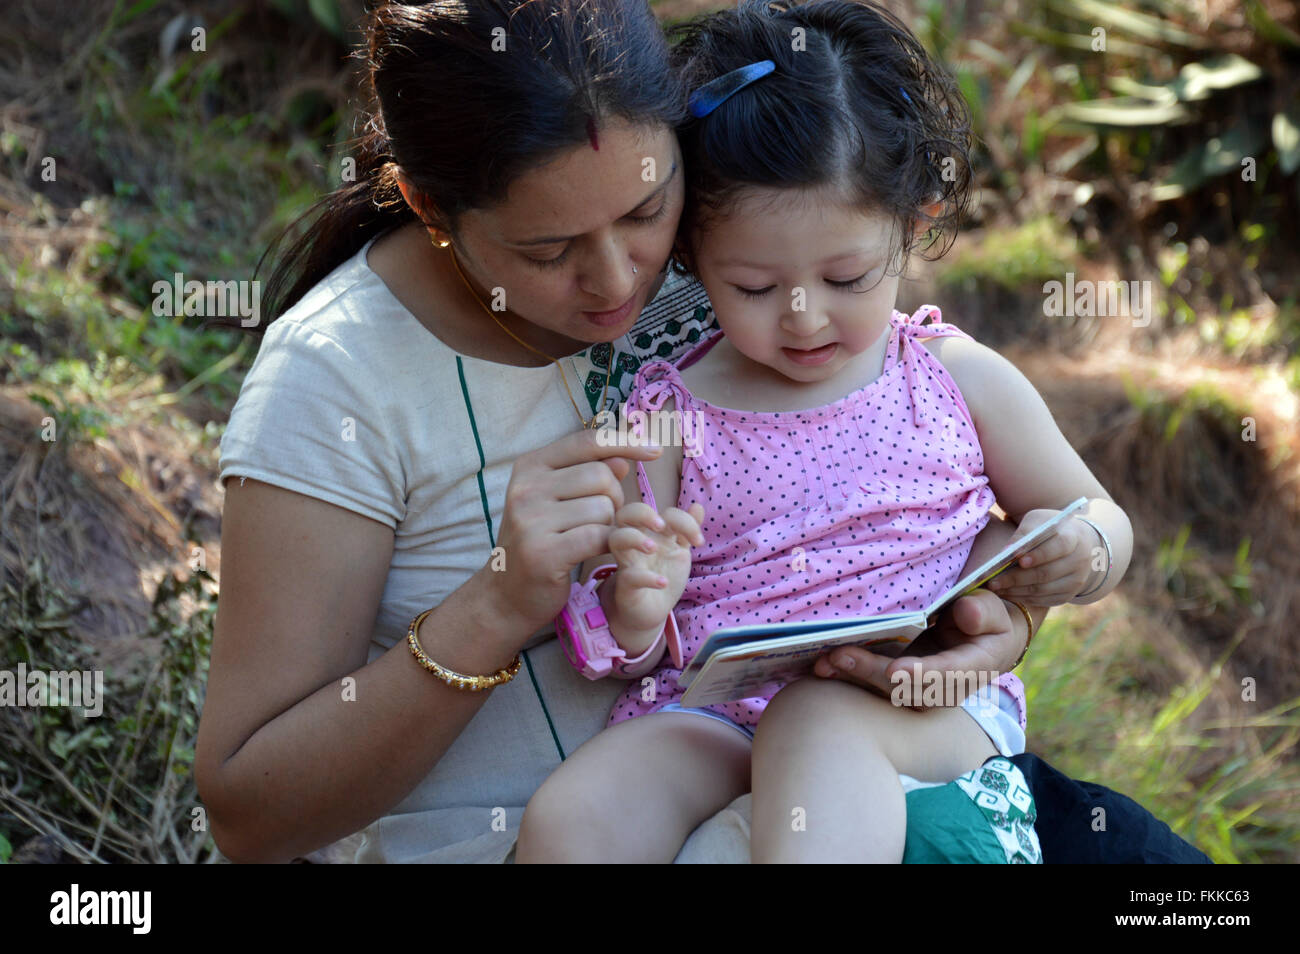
(1055, 571)
(653, 553)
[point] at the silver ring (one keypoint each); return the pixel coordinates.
(633, 269)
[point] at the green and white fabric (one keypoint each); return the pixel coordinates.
(984, 817)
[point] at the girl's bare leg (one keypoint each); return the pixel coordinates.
(826, 761)
(635, 791)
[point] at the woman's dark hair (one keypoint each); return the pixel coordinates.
(854, 103)
(466, 95)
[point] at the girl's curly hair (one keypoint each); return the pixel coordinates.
(855, 103)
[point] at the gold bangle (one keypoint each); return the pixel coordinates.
(1029, 621)
(455, 679)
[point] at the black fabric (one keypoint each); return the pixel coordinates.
(1066, 818)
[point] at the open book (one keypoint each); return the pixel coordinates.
(745, 661)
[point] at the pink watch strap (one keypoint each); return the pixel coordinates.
(592, 622)
(649, 659)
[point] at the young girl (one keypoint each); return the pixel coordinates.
(846, 456)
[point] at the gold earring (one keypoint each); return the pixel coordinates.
(441, 244)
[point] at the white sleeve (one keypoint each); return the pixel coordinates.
(310, 418)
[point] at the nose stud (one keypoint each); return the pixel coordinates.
(633, 269)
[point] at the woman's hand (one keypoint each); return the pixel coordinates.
(1055, 571)
(975, 634)
(654, 560)
(560, 507)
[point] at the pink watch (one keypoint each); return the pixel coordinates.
(588, 644)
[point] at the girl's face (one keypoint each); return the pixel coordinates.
(797, 279)
(563, 243)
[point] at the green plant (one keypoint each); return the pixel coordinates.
(1168, 414)
(1252, 144)
(1019, 258)
(322, 13)
(119, 787)
(1173, 555)
(939, 24)
(72, 423)
(1240, 580)
(1225, 785)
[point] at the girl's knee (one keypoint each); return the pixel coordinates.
(826, 695)
(560, 823)
(815, 707)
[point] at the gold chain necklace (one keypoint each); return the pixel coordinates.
(586, 425)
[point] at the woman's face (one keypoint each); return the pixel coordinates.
(559, 250)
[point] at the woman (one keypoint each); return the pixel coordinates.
(405, 442)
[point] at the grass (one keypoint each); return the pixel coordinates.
(96, 361)
(192, 192)
(1227, 786)
(118, 788)
(1016, 258)
(1202, 398)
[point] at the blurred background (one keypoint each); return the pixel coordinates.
(1153, 141)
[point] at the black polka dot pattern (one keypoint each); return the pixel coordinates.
(865, 506)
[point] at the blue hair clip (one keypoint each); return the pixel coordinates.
(904, 92)
(716, 92)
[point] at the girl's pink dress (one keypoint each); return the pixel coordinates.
(865, 506)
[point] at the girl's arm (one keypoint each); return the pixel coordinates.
(1031, 466)
(664, 475)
